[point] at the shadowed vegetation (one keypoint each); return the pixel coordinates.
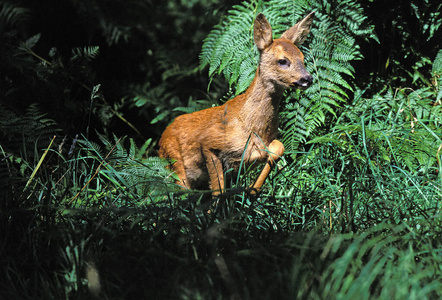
(88, 210)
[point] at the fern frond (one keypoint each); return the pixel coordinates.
(11, 15)
(296, 131)
(114, 33)
(227, 48)
(87, 53)
(437, 64)
(330, 49)
(27, 131)
(93, 149)
(328, 58)
(129, 169)
(437, 73)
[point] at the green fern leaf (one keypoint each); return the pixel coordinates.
(329, 51)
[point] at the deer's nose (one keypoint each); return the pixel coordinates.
(304, 82)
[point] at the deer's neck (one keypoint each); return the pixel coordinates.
(260, 110)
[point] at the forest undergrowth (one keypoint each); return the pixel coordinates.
(89, 211)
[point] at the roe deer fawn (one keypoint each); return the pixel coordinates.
(206, 143)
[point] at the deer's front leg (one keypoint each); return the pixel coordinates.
(276, 150)
(216, 174)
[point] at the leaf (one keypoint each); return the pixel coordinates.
(32, 41)
(329, 50)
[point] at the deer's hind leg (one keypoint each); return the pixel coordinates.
(216, 173)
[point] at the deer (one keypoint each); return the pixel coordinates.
(203, 145)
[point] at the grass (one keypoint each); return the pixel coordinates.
(355, 214)
(92, 226)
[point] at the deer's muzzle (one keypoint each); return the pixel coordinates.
(304, 82)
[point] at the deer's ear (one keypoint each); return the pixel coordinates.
(262, 32)
(299, 32)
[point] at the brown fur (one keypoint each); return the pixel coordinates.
(206, 143)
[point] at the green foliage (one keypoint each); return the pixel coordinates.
(58, 80)
(329, 51)
(229, 50)
(437, 74)
(135, 50)
(171, 80)
(380, 162)
(328, 56)
(409, 33)
(12, 15)
(383, 263)
(73, 184)
(355, 214)
(21, 136)
(142, 178)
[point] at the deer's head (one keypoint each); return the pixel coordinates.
(282, 63)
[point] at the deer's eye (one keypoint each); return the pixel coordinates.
(283, 63)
